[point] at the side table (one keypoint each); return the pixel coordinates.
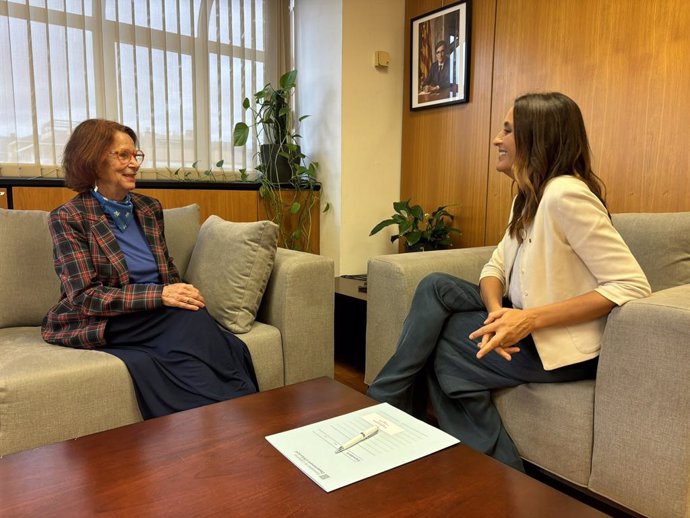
(350, 319)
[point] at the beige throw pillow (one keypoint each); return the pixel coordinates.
(231, 264)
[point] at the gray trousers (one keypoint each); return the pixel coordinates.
(434, 354)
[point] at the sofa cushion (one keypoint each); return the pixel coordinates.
(660, 243)
(551, 425)
(181, 229)
(50, 393)
(265, 346)
(231, 264)
(27, 275)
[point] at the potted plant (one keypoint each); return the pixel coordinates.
(420, 230)
(288, 182)
(279, 153)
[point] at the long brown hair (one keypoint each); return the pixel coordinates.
(85, 152)
(550, 141)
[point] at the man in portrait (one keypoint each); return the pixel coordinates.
(439, 73)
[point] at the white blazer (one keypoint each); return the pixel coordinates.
(571, 248)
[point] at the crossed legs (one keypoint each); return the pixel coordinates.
(434, 348)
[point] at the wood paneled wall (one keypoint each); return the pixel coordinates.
(622, 61)
(40, 198)
(238, 206)
(444, 152)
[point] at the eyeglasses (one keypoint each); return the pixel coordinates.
(125, 156)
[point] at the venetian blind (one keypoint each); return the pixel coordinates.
(176, 71)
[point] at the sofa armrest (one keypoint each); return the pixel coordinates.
(391, 283)
(299, 301)
(641, 452)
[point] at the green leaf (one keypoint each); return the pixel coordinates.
(294, 208)
(413, 237)
(404, 227)
(240, 134)
(220, 163)
(287, 80)
(246, 104)
(195, 164)
(303, 117)
(399, 220)
(327, 208)
(401, 206)
(381, 225)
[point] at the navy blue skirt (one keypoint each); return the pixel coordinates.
(179, 359)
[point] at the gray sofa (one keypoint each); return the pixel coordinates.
(50, 393)
(625, 436)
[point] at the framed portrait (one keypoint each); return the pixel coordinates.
(440, 66)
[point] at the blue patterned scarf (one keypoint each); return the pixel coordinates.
(121, 212)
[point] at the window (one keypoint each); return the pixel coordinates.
(176, 71)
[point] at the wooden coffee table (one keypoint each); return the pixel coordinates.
(215, 460)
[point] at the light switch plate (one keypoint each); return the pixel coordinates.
(381, 58)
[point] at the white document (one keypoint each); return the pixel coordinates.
(401, 439)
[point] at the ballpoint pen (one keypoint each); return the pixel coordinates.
(358, 438)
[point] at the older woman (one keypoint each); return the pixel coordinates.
(121, 292)
(542, 301)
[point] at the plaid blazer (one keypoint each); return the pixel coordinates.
(93, 271)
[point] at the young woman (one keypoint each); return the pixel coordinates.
(543, 297)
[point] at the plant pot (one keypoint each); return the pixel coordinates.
(276, 167)
(417, 247)
(420, 246)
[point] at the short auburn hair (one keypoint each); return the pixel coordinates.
(86, 151)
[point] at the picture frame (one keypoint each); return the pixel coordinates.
(440, 57)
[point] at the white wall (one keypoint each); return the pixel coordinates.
(318, 60)
(355, 131)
